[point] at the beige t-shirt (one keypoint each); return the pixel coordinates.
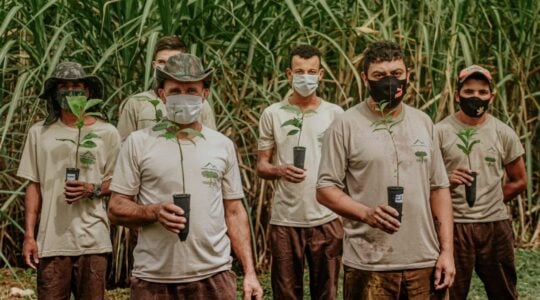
(295, 204)
(499, 145)
(149, 167)
(362, 162)
(137, 113)
(78, 228)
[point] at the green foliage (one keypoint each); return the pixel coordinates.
(467, 143)
(80, 106)
(297, 121)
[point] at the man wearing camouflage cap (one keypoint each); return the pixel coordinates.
(70, 253)
(136, 112)
(152, 168)
(483, 236)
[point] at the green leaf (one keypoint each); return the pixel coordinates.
(88, 144)
(159, 114)
(90, 136)
(79, 124)
(473, 143)
(293, 132)
(292, 122)
(292, 108)
(192, 132)
(76, 105)
(67, 140)
(154, 102)
(465, 150)
(87, 158)
(91, 103)
(94, 114)
(160, 126)
(169, 135)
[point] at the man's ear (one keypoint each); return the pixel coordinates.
(87, 92)
(206, 93)
(161, 93)
(321, 74)
(456, 96)
(289, 74)
(493, 95)
(364, 78)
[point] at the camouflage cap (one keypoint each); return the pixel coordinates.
(183, 67)
(71, 71)
(474, 69)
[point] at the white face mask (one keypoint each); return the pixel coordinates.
(305, 85)
(183, 109)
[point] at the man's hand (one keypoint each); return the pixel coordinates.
(291, 173)
(30, 252)
(169, 215)
(252, 288)
(382, 217)
(76, 190)
(445, 271)
(460, 176)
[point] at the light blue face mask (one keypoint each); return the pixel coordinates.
(183, 109)
(305, 85)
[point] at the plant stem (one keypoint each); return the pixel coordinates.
(396, 152)
(77, 147)
(301, 126)
(182, 165)
(469, 160)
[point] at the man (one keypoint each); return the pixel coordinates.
(152, 168)
(301, 228)
(73, 236)
(377, 144)
(136, 112)
(483, 236)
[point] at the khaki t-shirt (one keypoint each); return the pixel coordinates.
(295, 204)
(362, 162)
(149, 167)
(137, 113)
(499, 145)
(78, 228)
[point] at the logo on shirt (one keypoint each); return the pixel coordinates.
(211, 173)
(490, 160)
(419, 147)
(421, 155)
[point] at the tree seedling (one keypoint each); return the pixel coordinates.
(386, 123)
(79, 106)
(467, 143)
(297, 122)
(171, 131)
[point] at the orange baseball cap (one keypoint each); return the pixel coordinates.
(474, 69)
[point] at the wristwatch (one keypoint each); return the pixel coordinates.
(97, 190)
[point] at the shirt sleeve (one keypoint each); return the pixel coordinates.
(112, 154)
(333, 158)
(129, 116)
(28, 167)
(438, 176)
(266, 131)
(512, 146)
(127, 176)
(231, 183)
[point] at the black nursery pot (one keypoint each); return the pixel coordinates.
(299, 155)
(72, 173)
(183, 201)
(395, 199)
(470, 191)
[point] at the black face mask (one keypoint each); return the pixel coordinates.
(473, 107)
(385, 90)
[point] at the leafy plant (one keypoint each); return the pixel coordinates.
(466, 137)
(79, 106)
(386, 123)
(154, 102)
(171, 131)
(297, 121)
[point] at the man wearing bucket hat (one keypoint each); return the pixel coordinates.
(302, 229)
(136, 112)
(152, 168)
(73, 240)
(483, 236)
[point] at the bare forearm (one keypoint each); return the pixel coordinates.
(239, 233)
(124, 211)
(268, 171)
(341, 203)
(443, 219)
(32, 206)
(512, 189)
(105, 191)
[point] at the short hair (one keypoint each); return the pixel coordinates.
(305, 51)
(381, 51)
(169, 42)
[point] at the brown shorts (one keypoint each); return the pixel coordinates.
(84, 276)
(321, 246)
(221, 286)
(417, 284)
(487, 248)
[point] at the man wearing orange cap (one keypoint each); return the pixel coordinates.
(483, 237)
